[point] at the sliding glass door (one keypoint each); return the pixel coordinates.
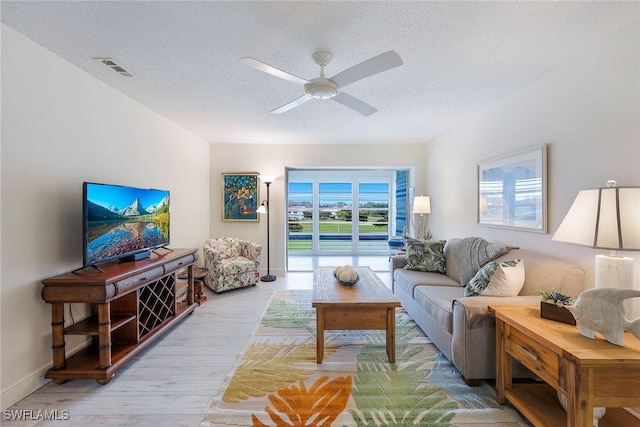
(373, 215)
(335, 222)
(300, 208)
(345, 212)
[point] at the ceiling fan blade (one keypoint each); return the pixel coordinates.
(354, 103)
(293, 104)
(259, 65)
(375, 65)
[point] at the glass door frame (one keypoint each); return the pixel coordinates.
(329, 174)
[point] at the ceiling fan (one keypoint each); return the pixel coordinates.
(331, 88)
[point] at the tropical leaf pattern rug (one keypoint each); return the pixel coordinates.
(278, 383)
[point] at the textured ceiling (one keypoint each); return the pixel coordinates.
(459, 57)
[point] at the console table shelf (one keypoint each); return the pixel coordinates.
(132, 304)
(89, 326)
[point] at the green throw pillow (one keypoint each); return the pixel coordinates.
(425, 255)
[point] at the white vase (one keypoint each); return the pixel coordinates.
(598, 411)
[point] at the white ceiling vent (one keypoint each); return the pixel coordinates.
(111, 63)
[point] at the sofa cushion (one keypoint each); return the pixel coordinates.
(425, 255)
(407, 280)
(544, 272)
(239, 265)
(229, 247)
(437, 302)
(449, 259)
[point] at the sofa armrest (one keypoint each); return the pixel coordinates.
(475, 310)
(397, 261)
(473, 342)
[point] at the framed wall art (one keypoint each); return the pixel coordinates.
(512, 191)
(240, 196)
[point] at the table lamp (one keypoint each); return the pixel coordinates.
(606, 218)
(422, 206)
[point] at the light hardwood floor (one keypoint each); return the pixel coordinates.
(173, 382)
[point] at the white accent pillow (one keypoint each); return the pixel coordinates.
(507, 281)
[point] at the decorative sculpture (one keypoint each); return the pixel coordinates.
(601, 310)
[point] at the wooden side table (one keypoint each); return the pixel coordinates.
(199, 274)
(589, 372)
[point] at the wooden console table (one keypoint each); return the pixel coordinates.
(132, 304)
(589, 372)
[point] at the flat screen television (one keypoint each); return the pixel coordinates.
(123, 223)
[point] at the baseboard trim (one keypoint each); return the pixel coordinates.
(24, 387)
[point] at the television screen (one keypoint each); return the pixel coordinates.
(123, 221)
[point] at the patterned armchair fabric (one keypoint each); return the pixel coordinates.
(231, 263)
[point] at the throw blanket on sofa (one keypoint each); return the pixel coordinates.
(472, 253)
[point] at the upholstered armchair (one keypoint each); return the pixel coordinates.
(231, 263)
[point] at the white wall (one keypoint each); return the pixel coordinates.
(272, 160)
(61, 127)
(587, 110)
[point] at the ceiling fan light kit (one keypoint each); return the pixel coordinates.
(322, 88)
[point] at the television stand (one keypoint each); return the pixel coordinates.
(132, 304)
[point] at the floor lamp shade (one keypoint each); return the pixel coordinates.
(605, 218)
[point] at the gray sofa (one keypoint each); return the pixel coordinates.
(461, 327)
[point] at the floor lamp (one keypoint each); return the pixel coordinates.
(264, 209)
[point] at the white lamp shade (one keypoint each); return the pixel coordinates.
(605, 218)
(267, 179)
(421, 205)
(262, 209)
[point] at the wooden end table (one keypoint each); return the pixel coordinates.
(589, 372)
(199, 274)
(369, 304)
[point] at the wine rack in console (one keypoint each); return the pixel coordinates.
(131, 303)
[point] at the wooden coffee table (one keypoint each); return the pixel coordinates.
(369, 304)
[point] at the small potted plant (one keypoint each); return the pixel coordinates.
(553, 307)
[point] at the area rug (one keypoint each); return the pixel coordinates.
(278, 383)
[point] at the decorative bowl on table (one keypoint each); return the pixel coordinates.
(349, 282)
(346, 275)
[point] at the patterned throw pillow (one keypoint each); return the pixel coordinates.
(497, 279)
(425, 255)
